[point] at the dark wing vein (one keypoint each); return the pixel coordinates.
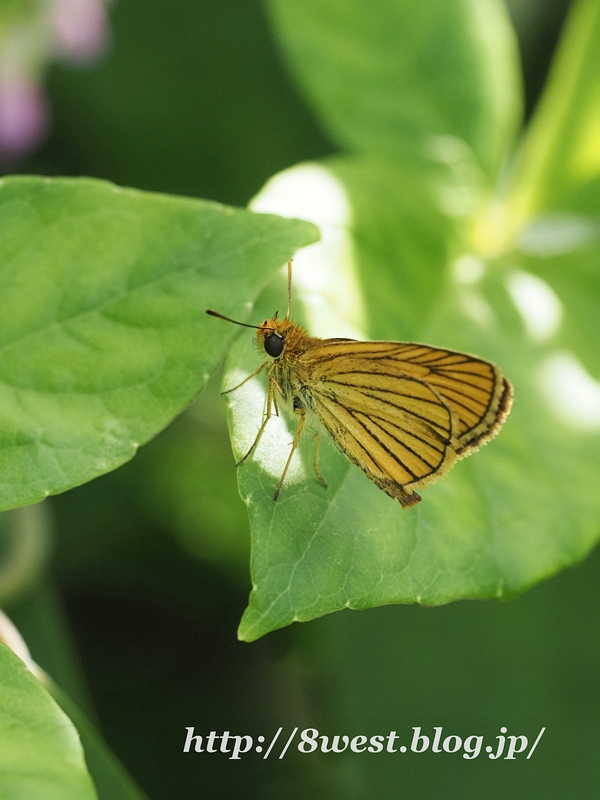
(387, 464)
(416, 443)
(405, 409)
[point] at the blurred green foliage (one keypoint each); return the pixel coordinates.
(195, 104)
(149, 560)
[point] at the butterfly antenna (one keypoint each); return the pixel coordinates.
(228, 319)
(287, 316)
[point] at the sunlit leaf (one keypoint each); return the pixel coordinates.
(575, 279)
(103, 335)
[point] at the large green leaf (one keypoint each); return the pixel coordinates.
(508, 516)
(103, 335)
(560, 163)
(399, 78)
(40, 753)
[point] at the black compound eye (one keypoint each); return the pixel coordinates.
(273, 345)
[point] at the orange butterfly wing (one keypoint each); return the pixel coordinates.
(404, 413)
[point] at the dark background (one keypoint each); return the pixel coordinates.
(149, 572)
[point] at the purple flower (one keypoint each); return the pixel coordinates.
(79, 29)
(24, 115)
(75, 30)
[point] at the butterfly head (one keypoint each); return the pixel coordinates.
(271, 335)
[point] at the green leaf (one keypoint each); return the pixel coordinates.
(40, 753)
(525, 506)
(560, 163)
(394, 221)
(517, 511)
(110, 778)
(575, 279)
(103, 335)
(398, 78)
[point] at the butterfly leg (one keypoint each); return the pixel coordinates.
(270, 404)
(302, 413)
(275, 384)
(317, 470)
(254, 374)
